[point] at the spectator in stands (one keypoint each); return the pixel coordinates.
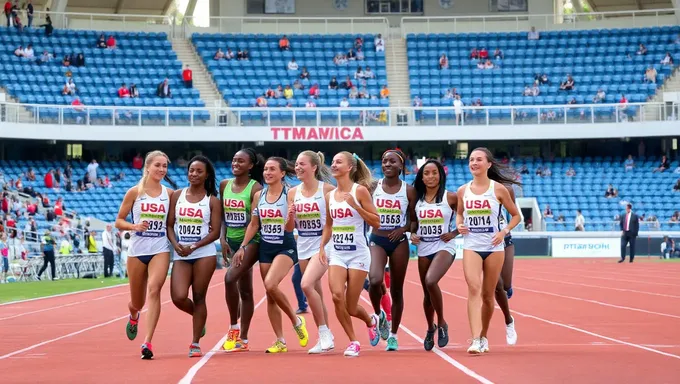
(663, 166)
(369, 74)
(49, 179)
(580, 221)
(384, 92)
(123, 91)
(667, 60)
(533, 34)
(8, 13)
(599, 96)
(48, 25)
(340, 59)
(242, 55)
(19, 52)
(164, 89)
(347, 84)
(344, 103)
(571, 172)
(548, 211)
(229, 55)
(642, 50)
(310, 103)
(284, 44)
(314, 91)
(133, 90)
(483, 54)
(292, 65)
(111, 42)
(611, 192)
(92, 242)
(138, 161)
(629, 163)
(101, 41)
(92, 170)
(650, 75)
(188, 77)
(219, 54)
(288, 92)
(676, 187)
(360, 55)
(29, 13)
(304, 74)
(80, 60)
(675, 218)
(16, 19)
(458, 109)
(69, 88)
(66, 62)
(568, 84)
(333, 84)
(30, 174)
(498, 54)
(278, 92)
(261, 101)
(28, 52)
(358, 42)
(353, 93)
(46, 57)
(379, 43)
(107, 250)
(351, 56)
(443, 62)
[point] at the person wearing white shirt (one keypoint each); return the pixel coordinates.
(292, 65)
(124, 245)
(580, 222)
(379, 43)
(92, 171)
(458, 108)
(107, 248)
(344, 103)
(28, 52)
(533, 35)
(310, 104)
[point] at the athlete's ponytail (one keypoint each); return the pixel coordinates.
(258, 165)
(323, 173)
(359, 173)
(285, 166)
(498, 172)
(210, 183)
(145, 171)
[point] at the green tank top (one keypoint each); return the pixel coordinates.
(237, 211)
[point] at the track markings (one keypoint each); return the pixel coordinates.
(62, 295)
(601, 287)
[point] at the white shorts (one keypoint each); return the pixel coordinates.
(307, 254)
(352, 260)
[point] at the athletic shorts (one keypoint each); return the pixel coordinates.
(508, 241)
(450, 252)
(385, 243)
(351, 260)
(269, 251)
(146, 259)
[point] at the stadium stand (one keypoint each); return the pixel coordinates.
(241, 82)
(608, 59)
(141, 58)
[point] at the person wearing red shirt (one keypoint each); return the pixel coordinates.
(123, 92)
(484, 54)
(111, 43)
(49, 180)
(188, 77)
(8, 12)
(138, 162)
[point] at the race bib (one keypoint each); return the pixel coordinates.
(343, 238)
(156, 222)
(309, 224)
(430, 230)
(479, 221)
(235, 215)
(189, 229)
(389, 218)
(272, 229)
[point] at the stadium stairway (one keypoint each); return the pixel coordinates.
(396, 62)
(671, 84)
(202, 80)
(22, 116)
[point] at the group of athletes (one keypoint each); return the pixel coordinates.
(254, 216)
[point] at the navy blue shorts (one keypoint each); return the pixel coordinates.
(431, 257)
(508, 241)
(269, 251)
(146, 259)
(385, 243)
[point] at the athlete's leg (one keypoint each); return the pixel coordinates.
(440, 265)
(313, 270)
(397, 275)
(472, 269)
(247, 303)
(180, 281)
(508, 266)
(278, 269)
(355, 284)
(203, 270)
(296, 279)
(376, 276)
(137, 280)
(273, 310)
(158, 273)
(423, 266)
(502, 300)
(233, 286)
(492, 270)
(337, 278)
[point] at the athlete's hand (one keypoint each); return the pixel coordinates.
(187, 250)
(226, 251)
(323, 259)
(448, 236)
(463, 229)
(238, 257)
(498, 238)
(396, 234)
(140, 227)
(350, 200)
(179, 249)
(415, 239)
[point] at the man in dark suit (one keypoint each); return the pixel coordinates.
(630, 226)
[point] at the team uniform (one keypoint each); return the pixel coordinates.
(275, 239)
(349, 243)
(154, 211)
(192, 223)
(434, 220)
(237, 214)
(310, 218)
(482, 215)
(392, 209)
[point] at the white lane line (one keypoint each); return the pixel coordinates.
(601, 287)
(62, 295)
(60, 306)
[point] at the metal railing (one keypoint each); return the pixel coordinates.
(105, 21)
(290, 25)
(354, 116)
(522, 22)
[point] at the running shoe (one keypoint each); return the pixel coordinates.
(483, 345)
(443, 336)
(316, 349)
(232, 336)
(511, 333)
(277, 347)
(195, 350)
(384, 326)
(392, 344)
(475, 347)
(324, 344)
(373, 334)
(353, 349)
(241, 346)
(428, 343)
(147, 353)
(509, 293)
(301, 331)
(131, 328)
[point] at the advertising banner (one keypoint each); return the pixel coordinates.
(586, 247)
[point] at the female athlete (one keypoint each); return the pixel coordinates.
(237, 202)
(194, 222)
(278, 251)
(350, 208)
(432, 235)
(395, 201)
(149, 253)
(479, 207)
(308, 202)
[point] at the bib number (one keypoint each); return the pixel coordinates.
(235, 219)
(155, 227)
(429, 233)
(389, 222)
(479, 224)
(309, 228)
(343, 238)
(272, 230)
(189, 233)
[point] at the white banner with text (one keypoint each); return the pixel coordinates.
(586, 247)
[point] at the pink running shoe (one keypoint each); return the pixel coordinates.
(353, 349)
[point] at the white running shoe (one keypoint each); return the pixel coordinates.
(511, 333)
(316, 349)
(475, 346)
(353, 349)
(483, 345)
(327, 340)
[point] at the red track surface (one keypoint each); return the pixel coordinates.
(579, 321)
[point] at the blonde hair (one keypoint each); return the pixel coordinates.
(145, 172)
(360, 173)
(323, 173)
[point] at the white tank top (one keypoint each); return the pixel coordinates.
(349, 228)
(273, 217)
(310, 218)
(153, 210)
(192, 224)
(391, 208)
(434, 220)
(482, 215)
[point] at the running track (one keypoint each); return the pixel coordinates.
(581, 321)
